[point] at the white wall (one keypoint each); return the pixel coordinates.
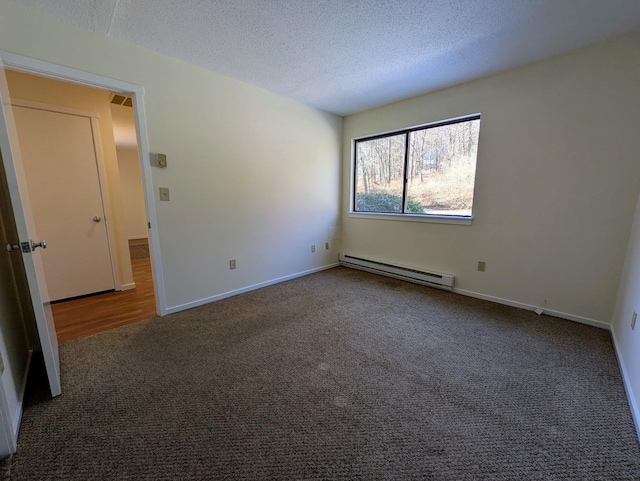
(253, 176)
(132, 193)
(556, 184)
(628, 341)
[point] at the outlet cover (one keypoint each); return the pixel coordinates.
(164, 193)
(313, 248)
(633, 320)
(232, 264)
(482, 265)
(326, 246)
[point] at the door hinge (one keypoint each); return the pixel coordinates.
(26, 247)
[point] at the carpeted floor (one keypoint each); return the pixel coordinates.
(337, 375)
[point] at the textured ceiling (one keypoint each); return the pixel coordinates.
(344, 56)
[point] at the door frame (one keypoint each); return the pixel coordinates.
(8, 437)
(94, 119)
(58, 72)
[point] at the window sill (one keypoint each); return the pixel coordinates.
(434, 219)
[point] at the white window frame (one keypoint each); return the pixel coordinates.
(428, 218)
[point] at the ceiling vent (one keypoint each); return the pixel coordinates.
(121, 100)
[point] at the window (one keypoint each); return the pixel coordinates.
(423, 171)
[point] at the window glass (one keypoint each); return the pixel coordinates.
(380, 174)
(435, 176)
(442, 168)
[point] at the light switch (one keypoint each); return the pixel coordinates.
(158, 160)
(164, 193)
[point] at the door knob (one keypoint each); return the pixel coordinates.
(97, 218)
(26, 247)
(35, 245)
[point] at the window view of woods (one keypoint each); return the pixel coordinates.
(439, 168)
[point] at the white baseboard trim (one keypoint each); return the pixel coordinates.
(529, 307)
(137, 237)
(633, 403)
(126, 287)
(224, 295)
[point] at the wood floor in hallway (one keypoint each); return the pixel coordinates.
(90, 315)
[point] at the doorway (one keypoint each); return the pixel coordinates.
(129, 282)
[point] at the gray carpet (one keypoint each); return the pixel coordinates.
(337, 375)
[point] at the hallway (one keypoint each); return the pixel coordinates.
(90, 315)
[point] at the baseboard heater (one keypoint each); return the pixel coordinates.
(410, 274)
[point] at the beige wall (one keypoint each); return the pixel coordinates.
(556, 184)
(53, 92)
(253, 176)
(124, 131)
(132, 193)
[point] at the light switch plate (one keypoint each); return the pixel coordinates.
(164, 193)
(158, 160)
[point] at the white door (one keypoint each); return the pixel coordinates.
(14, 347)
(27, 234)
(60, 164)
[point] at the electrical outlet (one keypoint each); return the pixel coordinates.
(633, 320)
(326, 246)
(232, 264)
(482, 265)
(313, 248)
